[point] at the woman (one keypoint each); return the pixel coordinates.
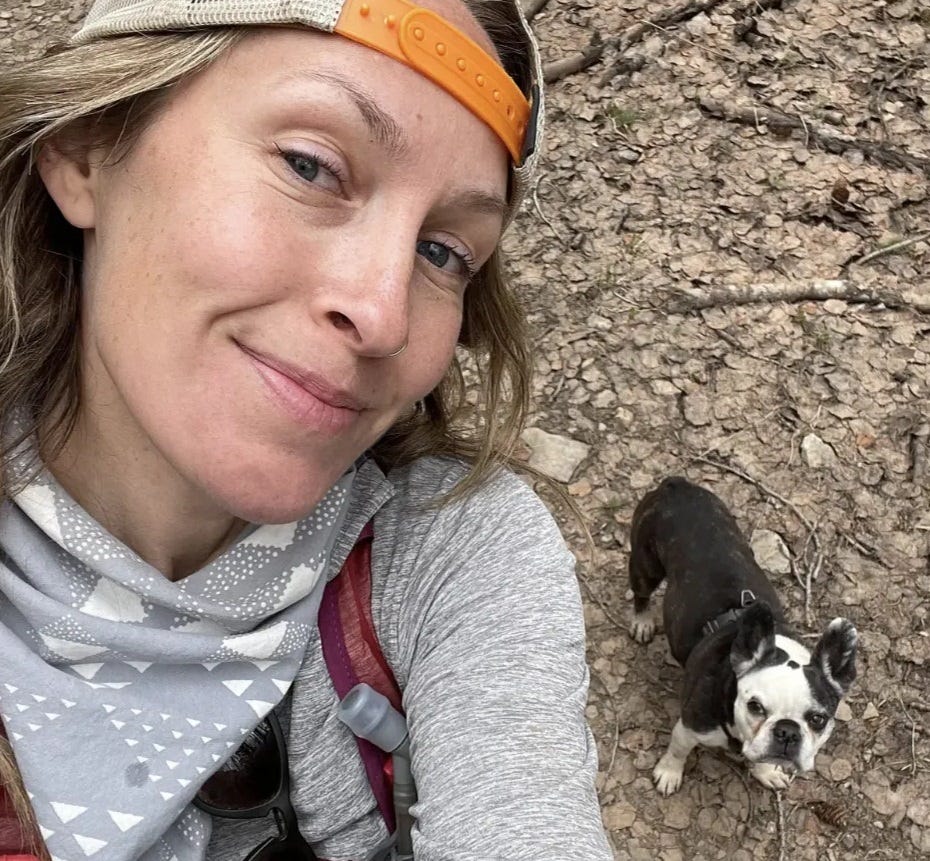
(237, 262)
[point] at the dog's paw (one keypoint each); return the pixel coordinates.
(667, 774)
(771, 776)
(642, 628)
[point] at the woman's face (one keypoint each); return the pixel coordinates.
(297, 213)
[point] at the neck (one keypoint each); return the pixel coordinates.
(125, 484)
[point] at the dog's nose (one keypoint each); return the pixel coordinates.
(787, 732)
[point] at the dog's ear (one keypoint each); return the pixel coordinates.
(755, 637)
(835, 654)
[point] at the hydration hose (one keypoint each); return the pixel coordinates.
(371, 716)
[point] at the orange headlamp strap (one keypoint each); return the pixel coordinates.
(433, 47)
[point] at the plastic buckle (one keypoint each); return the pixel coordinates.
(430, 45)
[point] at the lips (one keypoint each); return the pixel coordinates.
(305, 396)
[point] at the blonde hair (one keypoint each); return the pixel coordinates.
(103, 94)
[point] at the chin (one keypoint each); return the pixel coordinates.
(273, 495)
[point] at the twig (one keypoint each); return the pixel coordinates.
(782, 848)
(913, 723)
(599, 602)
(749, 22)
(890, 249)
(692, 299)
(613, 753)
(813, 572)
(739, 773)
(631, 36)
(774, 119)
(920, 437)
(559, 69)
(533, 7)
(541, 214)
(867, 552)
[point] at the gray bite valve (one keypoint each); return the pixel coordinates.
(371, 716)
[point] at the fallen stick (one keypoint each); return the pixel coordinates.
(694, 299)
(559, 69)
(587, 57)
(893, 248)
(759, 117)
(920, 438)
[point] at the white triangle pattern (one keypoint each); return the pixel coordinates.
(162, 731)
(90, 845)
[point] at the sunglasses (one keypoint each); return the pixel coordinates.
(254, 783)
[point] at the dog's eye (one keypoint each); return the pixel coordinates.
(755, 708)
(817, 722)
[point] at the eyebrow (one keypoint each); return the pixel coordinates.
(482, 202)
(388, 133)
(382, 126)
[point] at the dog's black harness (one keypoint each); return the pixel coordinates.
(746, 599)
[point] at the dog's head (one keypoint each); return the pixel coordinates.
(786, 696)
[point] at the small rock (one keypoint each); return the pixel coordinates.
(885, 801)
(580, 488)
(835, 306)
(555, 456)
(697, 409)
(817, 454)
(844, 712)
(678, 813)
(623, 416)
(840, 769)
(771, 552)
(870, 712)
(919, 812)
(664, 388)
(920, 837)
(620, 815)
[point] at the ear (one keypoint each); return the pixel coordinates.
(71, 180)
(755, 637)
(835, 654)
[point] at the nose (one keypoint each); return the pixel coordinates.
(368, 302)
(787, 733)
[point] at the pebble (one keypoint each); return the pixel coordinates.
(770, 550)
(618, 816)
(817, 454)
(678, 813)
(554, 455)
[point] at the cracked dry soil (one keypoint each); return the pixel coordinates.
(799, 394)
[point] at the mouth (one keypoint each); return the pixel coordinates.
(785, 763)
(305, 396)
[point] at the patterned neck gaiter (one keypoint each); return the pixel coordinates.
(121, 691)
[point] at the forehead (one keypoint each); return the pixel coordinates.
(788, 682)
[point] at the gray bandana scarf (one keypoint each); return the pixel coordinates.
(121, 691)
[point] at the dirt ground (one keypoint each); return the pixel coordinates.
(692, 263)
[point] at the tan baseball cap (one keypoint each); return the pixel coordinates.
(417, 37)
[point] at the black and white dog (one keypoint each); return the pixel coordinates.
(747, 684)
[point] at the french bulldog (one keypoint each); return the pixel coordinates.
(748, 684)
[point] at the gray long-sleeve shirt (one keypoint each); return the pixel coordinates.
(478, 613)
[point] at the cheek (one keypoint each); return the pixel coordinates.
(434, 334)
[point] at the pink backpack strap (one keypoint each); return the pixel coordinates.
(353, 655)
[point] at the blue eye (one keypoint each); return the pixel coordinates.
(440, 255)
(314, 169)
(437, 253)
(307, 168)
